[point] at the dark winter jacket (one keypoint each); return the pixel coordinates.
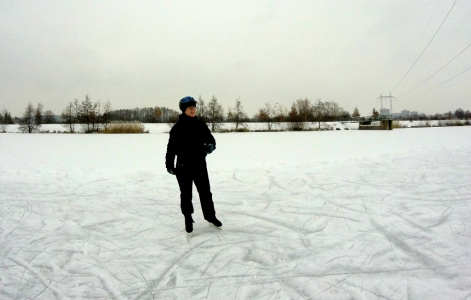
(187, 141)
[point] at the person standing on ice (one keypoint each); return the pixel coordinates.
(191, 140)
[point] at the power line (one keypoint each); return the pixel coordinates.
(436, 71)
(441, 83)
(426, 46)
(450, 37)
(419, 40)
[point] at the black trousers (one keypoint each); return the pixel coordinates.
(197, 173)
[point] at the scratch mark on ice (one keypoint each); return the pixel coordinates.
(38, 275)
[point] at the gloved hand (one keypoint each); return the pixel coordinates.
(209, 148)
(172, 171)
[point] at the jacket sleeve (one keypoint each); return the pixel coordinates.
(209, 138)
(171, 150)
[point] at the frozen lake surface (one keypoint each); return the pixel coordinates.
(306, 215)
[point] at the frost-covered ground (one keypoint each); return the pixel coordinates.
(306, 215)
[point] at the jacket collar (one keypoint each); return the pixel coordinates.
(184, 118)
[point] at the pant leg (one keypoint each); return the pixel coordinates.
(185, 182)
(201, 180)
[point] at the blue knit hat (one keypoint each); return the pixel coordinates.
(186, 102)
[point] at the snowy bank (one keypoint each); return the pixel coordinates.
(165, 127)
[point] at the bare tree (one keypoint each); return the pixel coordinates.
(27, 121)
(87, 111)
(70, 115)
(38, 116)
(305, 110)
(295, 120)
(237, 114)
(332, 111)
(202, 110)
(319, 112)
(269, 114)
(95, 116)
(105, 117)
(215, 113)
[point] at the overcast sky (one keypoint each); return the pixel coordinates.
(153, 53)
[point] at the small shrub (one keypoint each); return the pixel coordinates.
(225, 130)
(125, 127)
(296, 126)
(243, 129)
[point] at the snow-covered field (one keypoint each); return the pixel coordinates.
(306, 215)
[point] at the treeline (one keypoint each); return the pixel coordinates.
(92, 116)
(458, 114)
(300, 112)
(5, 119)
(144, 115)
(96, 116)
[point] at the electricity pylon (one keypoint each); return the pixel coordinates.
(390, 101)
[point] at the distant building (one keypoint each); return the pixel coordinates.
(396, 115)
(405, 114)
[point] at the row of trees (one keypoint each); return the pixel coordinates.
(91, 115)
(32, 118)
(94, 116)
(459, 114)
(144, 115)
(301, 112)
(5, 119)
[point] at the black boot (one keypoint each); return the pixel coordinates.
(189, 223)
(214, 221)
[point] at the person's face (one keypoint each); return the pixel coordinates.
(190, 111)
